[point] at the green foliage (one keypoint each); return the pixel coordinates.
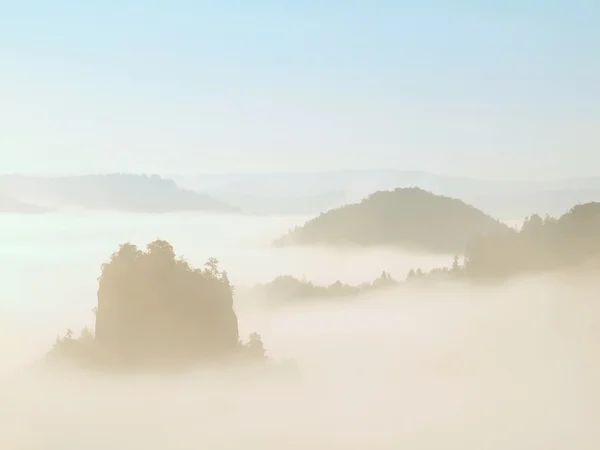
(408, 217)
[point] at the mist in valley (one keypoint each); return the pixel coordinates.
(512, 365)
(299, 225)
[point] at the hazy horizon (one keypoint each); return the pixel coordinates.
(140, 87)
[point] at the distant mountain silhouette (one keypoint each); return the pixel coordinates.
(311, 193)
(283, 193)
(274, 204)
(554, 202)
(118, 192)
(10, 205)
(406, 217)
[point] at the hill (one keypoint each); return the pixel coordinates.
(411, 218)
(117, 192)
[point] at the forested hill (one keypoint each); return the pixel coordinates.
(411, 218)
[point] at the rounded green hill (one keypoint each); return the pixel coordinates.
(410, 218)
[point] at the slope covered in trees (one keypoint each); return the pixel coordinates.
(542, 244)
(407, 217)
(156, 309)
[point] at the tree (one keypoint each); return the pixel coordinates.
(455, 266)
(212, 267)
(532, 224)
(226, 282)
(255, 346)
(86, 335)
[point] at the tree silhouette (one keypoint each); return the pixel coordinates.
(289, 287)
(212, 267)
(455, 265)
(255, 346)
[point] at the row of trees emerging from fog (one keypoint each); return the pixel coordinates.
(289, 287)
(156, 309)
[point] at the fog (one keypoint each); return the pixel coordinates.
(505, 367)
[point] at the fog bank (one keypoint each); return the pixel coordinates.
(512, 367)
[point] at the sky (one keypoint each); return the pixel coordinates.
(484, 89)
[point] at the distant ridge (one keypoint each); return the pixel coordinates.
(405, 217)
(305, 193)
(10, 205)
(116, 192)
(313, 192)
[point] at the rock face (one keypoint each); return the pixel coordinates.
(155, 308)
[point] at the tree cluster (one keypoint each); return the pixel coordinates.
(540, 245)
(289, 287)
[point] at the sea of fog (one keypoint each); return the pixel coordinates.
(507, 367)
(50, 263)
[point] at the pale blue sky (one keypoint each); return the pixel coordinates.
(504, 89)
